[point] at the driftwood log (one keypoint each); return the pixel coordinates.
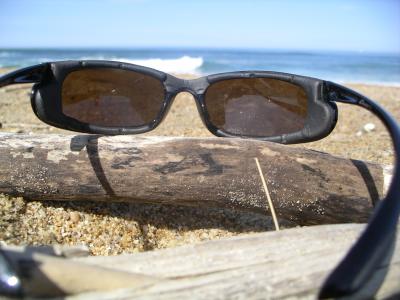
(287, 264)
(306, 187)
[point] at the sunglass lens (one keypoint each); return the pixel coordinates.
(257, 107)
(112, 97)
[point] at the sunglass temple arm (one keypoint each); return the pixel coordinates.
(10, 284)
(361, 272)
(31, 74)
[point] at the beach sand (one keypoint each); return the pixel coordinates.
(114, 228)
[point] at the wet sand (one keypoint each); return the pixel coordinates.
(116, 228)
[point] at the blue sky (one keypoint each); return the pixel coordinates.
(364, 25)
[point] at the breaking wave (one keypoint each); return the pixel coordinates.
(182, 65)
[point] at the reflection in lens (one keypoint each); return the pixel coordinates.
(112, 97)
(260, 107)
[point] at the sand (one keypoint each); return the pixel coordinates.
(115, 228)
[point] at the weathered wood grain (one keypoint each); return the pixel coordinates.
(306, 187)
(289, 264)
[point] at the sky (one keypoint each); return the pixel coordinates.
(336, 25)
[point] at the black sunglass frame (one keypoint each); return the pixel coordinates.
(361, 272)
(46, 99)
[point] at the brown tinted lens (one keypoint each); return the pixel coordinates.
(112, 97)
(261, 107)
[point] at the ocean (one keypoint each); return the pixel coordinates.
(337, 66)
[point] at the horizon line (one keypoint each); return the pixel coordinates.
(256, 49)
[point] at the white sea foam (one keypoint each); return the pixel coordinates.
(369, 82)
(8, 54)
(4, 54)
(182, 65)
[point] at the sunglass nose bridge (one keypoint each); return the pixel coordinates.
(194, 86)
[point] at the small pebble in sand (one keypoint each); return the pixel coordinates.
(145, 229)
(359, 133)
(75, 217)
(369, 127)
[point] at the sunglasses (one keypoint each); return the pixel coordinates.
(115, 98)
(111, 98)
